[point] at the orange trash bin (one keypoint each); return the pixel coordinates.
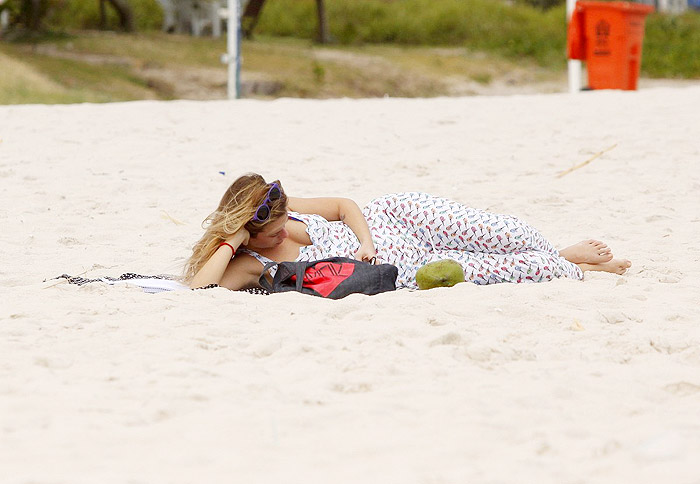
(608, 36)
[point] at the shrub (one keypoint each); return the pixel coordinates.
(672, 45)
(513, 30)
(85, 14)
(543, 4)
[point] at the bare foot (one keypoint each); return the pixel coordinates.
(616, 266)
(587, 251)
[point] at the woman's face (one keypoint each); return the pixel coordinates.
(272, 236)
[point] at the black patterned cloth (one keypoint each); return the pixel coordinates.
(149, 284)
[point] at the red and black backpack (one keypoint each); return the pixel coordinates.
(332, 278)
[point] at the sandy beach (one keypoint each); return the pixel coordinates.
(567, 382)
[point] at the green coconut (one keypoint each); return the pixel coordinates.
(442, 273)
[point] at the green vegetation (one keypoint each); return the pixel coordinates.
(105, 66)
(101, 66)
(152, 47)
(671, 47)
(382, 47)
(80, 14)
(510, 30)
(48, 79)
(85, 14)
(543, 4)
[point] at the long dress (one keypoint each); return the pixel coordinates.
(412, 229)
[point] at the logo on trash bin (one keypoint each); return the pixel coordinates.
(602, 34)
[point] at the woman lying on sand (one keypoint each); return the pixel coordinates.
(256, 223)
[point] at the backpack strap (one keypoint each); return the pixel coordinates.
(264, 283)
(301, 272)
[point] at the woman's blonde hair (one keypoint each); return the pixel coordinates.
(236, 210)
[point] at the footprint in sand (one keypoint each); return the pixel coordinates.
(69, 241)
(450, 338)
(682, 388)
(356, 387)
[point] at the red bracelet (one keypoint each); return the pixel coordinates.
(230, 246)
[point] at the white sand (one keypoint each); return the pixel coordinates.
(561, 382)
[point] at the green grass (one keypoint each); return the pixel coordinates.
(150, 47)
(114, 81)
(69, 76)
(672, 46)
(104, 66)
(311, 71)
(48, 79)
(308, 70)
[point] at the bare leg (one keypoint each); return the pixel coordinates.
(616, 266)
(588, 252)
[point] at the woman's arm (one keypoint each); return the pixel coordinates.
(243, 272)
(344, 210)
(213, 270)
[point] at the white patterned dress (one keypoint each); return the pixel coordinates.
(412, 229)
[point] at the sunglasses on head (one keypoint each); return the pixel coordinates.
(264, 211)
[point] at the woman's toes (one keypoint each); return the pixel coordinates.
(598, 244)
(623, 265)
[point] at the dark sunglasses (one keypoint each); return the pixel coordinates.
(264, 211)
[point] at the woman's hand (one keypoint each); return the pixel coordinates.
(366, 252)
(242, 237)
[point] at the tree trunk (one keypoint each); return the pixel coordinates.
(103, 15)
(322, 24)
(250, 17)
(126, 16)
(32, 14)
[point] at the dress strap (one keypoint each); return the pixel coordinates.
(295, 216)
(261, 258)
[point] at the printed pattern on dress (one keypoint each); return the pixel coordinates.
(328, 239)
(412, 229)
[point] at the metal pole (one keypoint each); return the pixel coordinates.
(574, 65)
(233, 57)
